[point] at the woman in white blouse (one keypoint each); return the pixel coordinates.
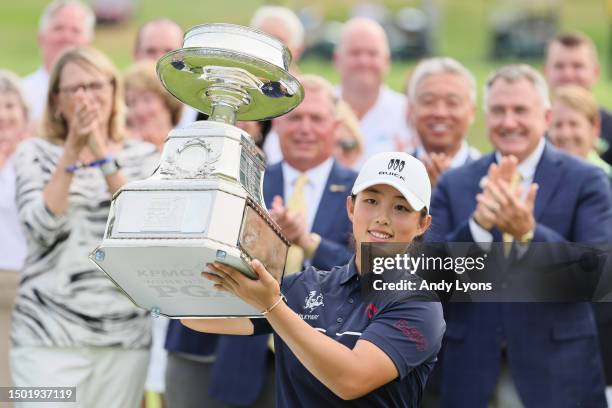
(71, 326)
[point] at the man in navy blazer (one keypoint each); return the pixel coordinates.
(546, 354)
(242, 365)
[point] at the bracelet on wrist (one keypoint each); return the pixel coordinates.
(73, 168)
(280, 299)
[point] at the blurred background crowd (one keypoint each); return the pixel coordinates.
(82, 112)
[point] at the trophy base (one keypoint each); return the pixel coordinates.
(166, 278)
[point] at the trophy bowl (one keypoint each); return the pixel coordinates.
(204, 202)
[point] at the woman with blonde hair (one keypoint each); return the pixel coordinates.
(71, 325)
(576, 124)
(151, 111)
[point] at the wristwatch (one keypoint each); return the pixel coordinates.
(110, 167)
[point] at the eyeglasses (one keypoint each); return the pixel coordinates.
(96, 86)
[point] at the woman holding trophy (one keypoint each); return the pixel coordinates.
(332, 347)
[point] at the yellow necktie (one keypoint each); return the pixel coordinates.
(508, 239)
(296, 204)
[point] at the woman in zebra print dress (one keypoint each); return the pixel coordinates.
(71, 325)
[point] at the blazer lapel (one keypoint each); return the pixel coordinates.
(274, 184)
(334, 196)
(548, 174)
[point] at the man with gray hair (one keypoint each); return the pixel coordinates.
(441, 108)
(64, 23)
(547, 346)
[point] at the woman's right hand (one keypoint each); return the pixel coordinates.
(81, 125)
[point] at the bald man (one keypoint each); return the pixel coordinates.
(362, 59)
(156, 38)
(282, 23)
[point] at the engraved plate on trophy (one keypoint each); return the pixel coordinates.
(204, 202)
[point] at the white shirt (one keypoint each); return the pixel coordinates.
(381, 125)
(384, 124)
(188, 116)
(12, 240)
(35, 89)
(313, 190)
(464, 153)
(527, 170)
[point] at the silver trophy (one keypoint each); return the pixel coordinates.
(204, 202)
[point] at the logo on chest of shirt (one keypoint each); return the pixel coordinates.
(312, 301)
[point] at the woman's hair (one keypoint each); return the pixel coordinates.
(54, 125)
(579, 100)
(141, 77)
(11, 84)
(349, 120)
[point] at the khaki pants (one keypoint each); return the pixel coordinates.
(8, 287)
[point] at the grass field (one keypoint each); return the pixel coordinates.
(463, 34)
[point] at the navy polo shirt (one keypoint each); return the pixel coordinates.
(409, 332)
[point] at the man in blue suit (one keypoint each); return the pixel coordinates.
(237, 370)
(537, 355)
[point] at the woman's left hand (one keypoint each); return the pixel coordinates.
(260, 293)
(97, 141)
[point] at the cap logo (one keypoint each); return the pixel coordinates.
(396, 165)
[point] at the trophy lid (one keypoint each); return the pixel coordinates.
(233, 66)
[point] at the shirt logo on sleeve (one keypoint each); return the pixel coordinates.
(412, 333)
(371, 311)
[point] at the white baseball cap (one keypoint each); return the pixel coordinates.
(400, 170)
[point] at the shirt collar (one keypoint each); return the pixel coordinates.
(316, 175)
(348, 272)
(458, 159)
(527, 167)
